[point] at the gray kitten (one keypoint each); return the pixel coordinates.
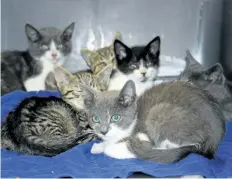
(211, 79)
(28, 70)
(165, 124)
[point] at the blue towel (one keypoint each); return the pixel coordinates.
(79, 162)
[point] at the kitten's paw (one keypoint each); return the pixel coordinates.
(97, 148)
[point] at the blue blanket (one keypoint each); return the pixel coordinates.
(79, 162)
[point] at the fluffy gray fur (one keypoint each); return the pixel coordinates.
(211, 79)
(183, 114)
(20, 66)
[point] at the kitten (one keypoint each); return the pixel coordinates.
(102, 57)
(165, 124)
(49, 126)
(28, 70)
(211, 79)
(139, 63)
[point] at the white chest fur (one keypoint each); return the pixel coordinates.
(111, 145)
(119, 79)
(37, 83)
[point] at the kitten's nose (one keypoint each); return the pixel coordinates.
(144, 73)
(54, 54)
(104, 132)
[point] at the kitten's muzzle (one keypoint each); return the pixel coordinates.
(104, 132)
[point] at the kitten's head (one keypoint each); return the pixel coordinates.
(192, 66)
(69, 85)
(212, 75)
(50, 43)
(99, 59)
(111, 112)
(140, 63)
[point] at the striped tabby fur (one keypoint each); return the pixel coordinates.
(102, 57)
(50, 126)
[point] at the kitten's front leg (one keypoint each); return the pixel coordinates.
(97, 148)
(118, 151)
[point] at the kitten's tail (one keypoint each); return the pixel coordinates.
(144, 151)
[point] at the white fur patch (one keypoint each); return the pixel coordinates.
(115, 133)
(97, 148)
(119, 79)
(118, 151)
(166, 144)
(111, 146)
(38, 82)
(143, 137)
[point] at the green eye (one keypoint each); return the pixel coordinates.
(96, 119)
(115, 118)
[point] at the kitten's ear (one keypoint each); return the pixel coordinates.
(191, 61)
(121, 51)
(88, 55)
(62, 76)
(88, 96)
(68, 32)
(32, 33)
(215, 73)
(117, 36)
(104, 75)
(153, 47)
(128, 94)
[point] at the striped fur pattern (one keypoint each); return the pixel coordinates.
(50, 126)
(102, 57)
(44, 126)
(69, 84)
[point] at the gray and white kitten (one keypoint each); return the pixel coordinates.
(28, 70)
(138, 63)
(211, 79)
(165, 124)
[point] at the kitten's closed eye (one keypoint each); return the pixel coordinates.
(60, 46)
(133, 66)
(44, 47)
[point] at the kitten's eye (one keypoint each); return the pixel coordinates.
(132, 66)
(44, 47)
(115, 118)
(149, 63)
(96, 119)
(60, 46)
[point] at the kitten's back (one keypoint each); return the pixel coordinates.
(183, 114)
(44, 126)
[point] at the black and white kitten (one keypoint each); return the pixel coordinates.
(139, 63)
(28, 70)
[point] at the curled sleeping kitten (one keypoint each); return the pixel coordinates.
(28, 70)
(211, 79)
(165, 124)
(48, 126)
(138, 63)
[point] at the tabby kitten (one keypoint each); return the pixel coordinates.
(211, 79)
(100, 58)
(28, 70)
(139, 63)
(49, 126)
(165, 124)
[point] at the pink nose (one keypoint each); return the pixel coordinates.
(54, 55)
